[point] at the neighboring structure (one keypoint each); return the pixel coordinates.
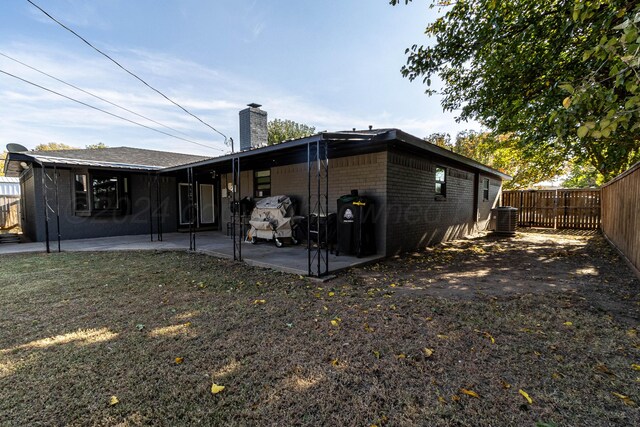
(424, 194)
(9, 202)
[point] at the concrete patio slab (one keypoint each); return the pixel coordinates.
(288, 259)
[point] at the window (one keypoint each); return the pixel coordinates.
(485, 189)
(82, 192)
(100, 192)
(441, 181)
(262, 183)
(105, 193)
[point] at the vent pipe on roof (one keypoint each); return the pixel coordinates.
(253, 127)
(370, 127)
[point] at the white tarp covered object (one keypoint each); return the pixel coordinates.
(271, 219)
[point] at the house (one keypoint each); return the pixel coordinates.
(423, 193)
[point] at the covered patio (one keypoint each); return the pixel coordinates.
(288, 259)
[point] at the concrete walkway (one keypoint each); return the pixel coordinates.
(289, 259)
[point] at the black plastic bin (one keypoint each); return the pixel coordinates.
(327, 235)
(356, 225)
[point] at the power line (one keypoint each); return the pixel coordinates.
(107, 112)
(91, 94)
(125, 69)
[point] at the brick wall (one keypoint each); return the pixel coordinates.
(416, 218)
(366, 173)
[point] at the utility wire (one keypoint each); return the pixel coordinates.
(91, 94)
(109, 113)
(125, 69)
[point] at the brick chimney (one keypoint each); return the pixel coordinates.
(253, 127)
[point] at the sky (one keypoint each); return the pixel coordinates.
(332, 64)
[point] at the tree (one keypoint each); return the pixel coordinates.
(440, 139)
(96, 146)
(502, 152)
(52, 146)
(283, 130)
(561, 75)
(3, 156)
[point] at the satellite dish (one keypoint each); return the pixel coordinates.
(16, 148)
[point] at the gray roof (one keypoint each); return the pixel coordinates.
(121, 156)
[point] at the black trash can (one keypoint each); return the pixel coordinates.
(356, 225)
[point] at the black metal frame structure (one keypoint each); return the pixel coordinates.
(318, 203)
(47, 207)
(236, 215)
(192, 231)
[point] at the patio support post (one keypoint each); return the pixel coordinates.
(318, 165)
(55, 183)
(235, 205)
(159, 206)
(150, 207)
(45, 201)
(192, 234)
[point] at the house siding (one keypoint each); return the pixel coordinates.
(78, 227)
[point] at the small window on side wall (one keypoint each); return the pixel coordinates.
(262, 183)
(441, 181)
(485, 189)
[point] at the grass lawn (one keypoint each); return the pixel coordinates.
(448, 336)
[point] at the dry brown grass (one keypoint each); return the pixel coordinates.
(78, 328)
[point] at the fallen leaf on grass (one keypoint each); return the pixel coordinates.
(603, 368)
(505, 385)
(376, 354)
(470, 393)
(568, 323)
(215, 388)
(259, 301)
(401, 356)
(635, 367)
(336, 321)
(368, 328)
(442, 337)
(113, 400)
(334, 362)
(526, 396)
(331, 294)
(427, 352)
(179, 360)
(442, 400)
(455, 398)
(625, 399)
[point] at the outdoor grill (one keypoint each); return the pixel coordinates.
(271, 219)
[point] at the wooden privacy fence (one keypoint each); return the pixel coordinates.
(564, 208)
(621, 214)
(9, 212)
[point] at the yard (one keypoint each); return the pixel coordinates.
(538, 329)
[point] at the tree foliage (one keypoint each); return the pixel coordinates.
(501, 152)
(560, 75)
(283, 130)
(52, 146)
(2, 157)
(96, 146)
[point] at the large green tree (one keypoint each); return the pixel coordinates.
(283, 130)
(560, 75)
